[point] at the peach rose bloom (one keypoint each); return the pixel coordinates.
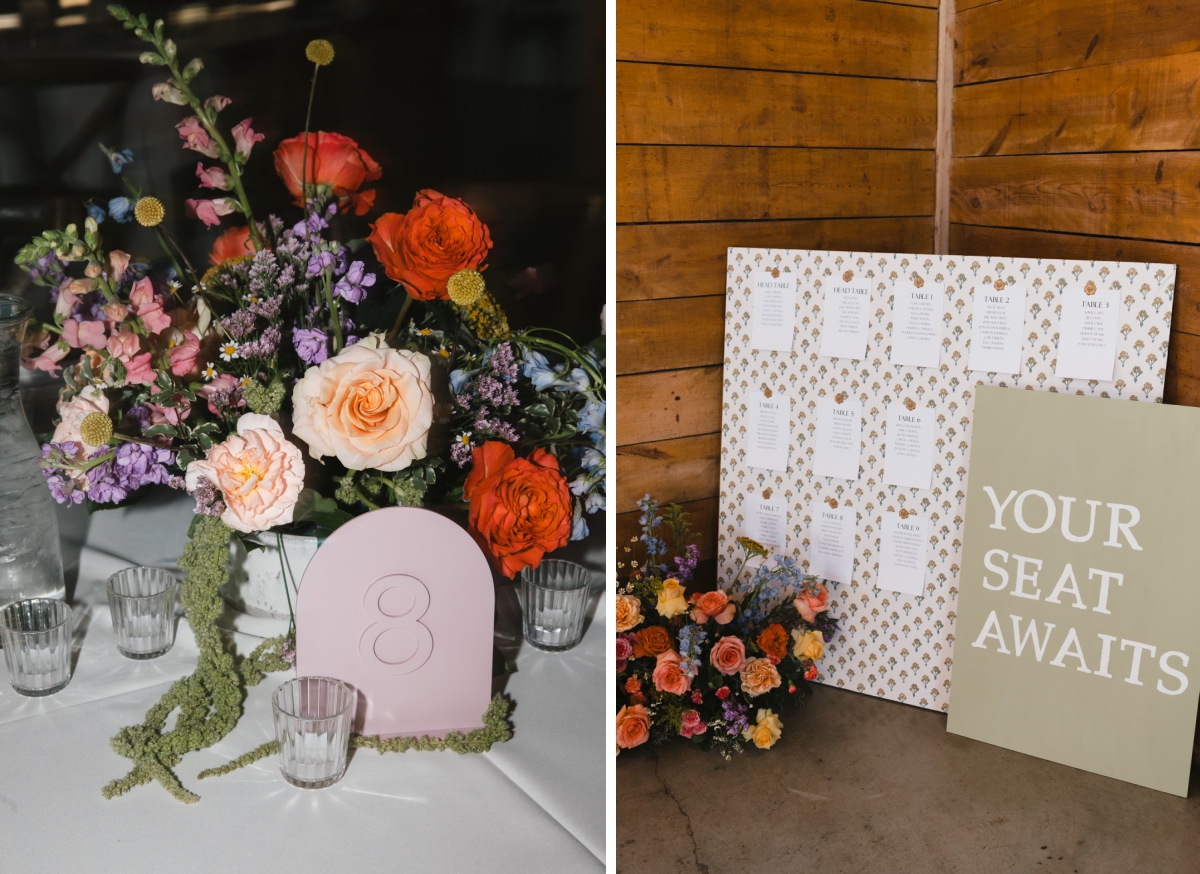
(370, 406)
(728, 655)
(633, 726)
(712, 605)
(670, 600)
(758, 677)
(258, 471)
(73, 412)
(809, 605)
(629, 613)
(668, 676)
(766, 731)
(809, 644)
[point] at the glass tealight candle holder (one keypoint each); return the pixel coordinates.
(313, 716)
(142, 603)
(554, 598)
(36, 634)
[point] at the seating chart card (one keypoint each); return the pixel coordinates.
(892, 643)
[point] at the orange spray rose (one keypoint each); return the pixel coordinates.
(336, 165)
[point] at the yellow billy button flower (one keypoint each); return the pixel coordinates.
(465, 287)
(96, 429)
(149, 211)
(320, 52)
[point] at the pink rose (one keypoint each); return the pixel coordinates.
(370, 406)
(728, 655)
(196, 138)
(712, 605)
(210, 211)
(73, 412)
(692, 724)
(809, 605)
(668, 675)
(213, 177)
(183, 355)
(148, 306)
(244, 138)
(633, 726)
(79, 334)
(259, 472)
(224, 382)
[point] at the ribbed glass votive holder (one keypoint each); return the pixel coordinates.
(313, 716)
(142, 603)
(554, 596)
(36, 634)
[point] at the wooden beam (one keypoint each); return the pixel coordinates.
(670, 334)
(1016, 243)
(693, 183)
(1139, 106)
(1151, 195)
(688, 468)
(659, 406)
(722, 107)
(945, 128)
(1023, 37)
(703, 515)
(815, 36)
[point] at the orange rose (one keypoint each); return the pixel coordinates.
(234, 243)
(652, 640)
(774, 642)
(431, 242)
(336, 165)
(712, 605)
(759, 676)
(520, 508)
(633, 726)
(668, 676)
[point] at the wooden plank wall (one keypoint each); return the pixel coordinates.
(802, 123)
(1076, 133)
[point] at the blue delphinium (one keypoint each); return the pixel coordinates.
(96, 212)
(650, 520)
(766, 590)
(117, 160)
(121, 209)
(691, 646)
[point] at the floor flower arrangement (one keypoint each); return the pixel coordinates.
(287, 386)
(716, 667)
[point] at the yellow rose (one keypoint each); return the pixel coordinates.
(670, 600)
(629, 612)
(766, 731)
(809, 644)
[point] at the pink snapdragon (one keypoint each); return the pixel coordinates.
(79, 334)
(183, 355)
(168, 93)
(213, 177)
(196, 138)
(217, 102)
(148, 306)
(115, 312)
(48, 360)
(140, 371)
(118, 263)
(244, 138)
(224, 384)
(210, 211)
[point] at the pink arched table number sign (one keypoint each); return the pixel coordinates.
(399, 604)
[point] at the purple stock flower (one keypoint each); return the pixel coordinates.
(318, 261)
(132, 466)
(353, 286)
(312, 344)
(735, 717)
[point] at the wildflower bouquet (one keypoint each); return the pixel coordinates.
(716, 667)
(285, 386)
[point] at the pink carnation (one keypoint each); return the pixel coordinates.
(692, 724)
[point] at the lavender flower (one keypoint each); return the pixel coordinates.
(209, 501)
(269, 308)
(264, 346)
(239, 325)
(460, 453)
(312, 344)
(353, 286)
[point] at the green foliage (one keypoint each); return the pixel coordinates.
(209, 701)
(265, 399)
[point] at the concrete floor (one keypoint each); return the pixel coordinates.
(858, 784)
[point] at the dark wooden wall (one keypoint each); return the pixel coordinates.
(801, 123)
(1076, 134)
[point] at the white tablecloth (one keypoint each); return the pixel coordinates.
(535, 803)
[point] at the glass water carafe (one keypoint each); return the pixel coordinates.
(30, 558)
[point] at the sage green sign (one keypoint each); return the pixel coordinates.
(1078, 631)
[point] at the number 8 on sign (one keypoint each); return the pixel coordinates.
(396, 641)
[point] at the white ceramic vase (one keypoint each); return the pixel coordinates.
(256, 584)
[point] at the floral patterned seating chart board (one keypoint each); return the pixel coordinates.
(891, 643)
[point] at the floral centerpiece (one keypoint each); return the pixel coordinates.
(717, 667)
(288, 386)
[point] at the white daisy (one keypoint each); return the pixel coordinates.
(464, 438)
(229, 350)
(209, 372)
(244, 381)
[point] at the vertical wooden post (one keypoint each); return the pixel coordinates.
(944, 151)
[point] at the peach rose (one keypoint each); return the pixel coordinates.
(370, 406)
(633, 726)
(809, 605)
(759, 677)
(670, 600)
(668, 676)
(73, 412)
(728, 655)
(629, 613)
(809, 644)
(712, 605)
(258, 471)
(765, 731)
